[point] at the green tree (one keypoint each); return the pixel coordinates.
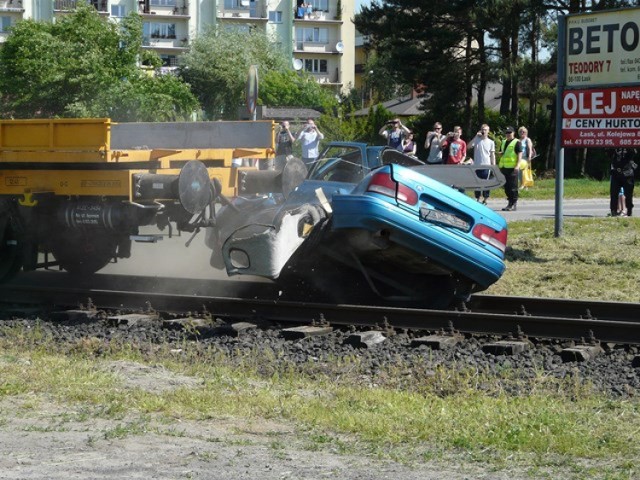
(288, 88)
(82, 65)
(217, 64)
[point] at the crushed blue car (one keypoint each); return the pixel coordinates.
(369, 224)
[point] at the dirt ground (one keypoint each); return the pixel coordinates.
(40, 439)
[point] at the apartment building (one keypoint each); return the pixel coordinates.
(319, 35)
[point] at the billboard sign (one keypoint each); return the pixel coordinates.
(601, 117)
(602, 48)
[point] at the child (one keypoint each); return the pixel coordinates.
(621, 203)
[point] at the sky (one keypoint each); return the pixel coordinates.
(359, 3)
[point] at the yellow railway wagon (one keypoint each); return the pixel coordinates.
(81, 188)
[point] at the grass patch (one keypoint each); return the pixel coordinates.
(594, 259)
(427, 416)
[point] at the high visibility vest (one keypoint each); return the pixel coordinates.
(509, 158)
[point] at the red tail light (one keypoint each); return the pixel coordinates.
(383, 184)
(492, 237)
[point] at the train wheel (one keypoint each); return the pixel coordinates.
(10, 250)
(82, 254)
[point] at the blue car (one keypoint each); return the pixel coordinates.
(369, 224)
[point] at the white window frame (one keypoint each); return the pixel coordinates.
(236, 4)
(169, 60)
(5, 23)
(316, 65)
(322, 5)
(312, 35)
(275, 16)
(162, 3)
(157, 30)
(118, 11)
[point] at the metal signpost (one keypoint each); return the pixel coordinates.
(598, 98)
(252, 91)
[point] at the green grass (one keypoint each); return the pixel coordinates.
(593, 259)
(573, 189)
(431, 414)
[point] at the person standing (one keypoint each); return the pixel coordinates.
(284, 145)
(453, 147)
(309, 138)
(394, 132)
(623, 169)
(511, 154)
(432, 144)
(409, 145)
(527, 154)
(622, 207)
(484, 153)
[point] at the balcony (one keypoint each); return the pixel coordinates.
(327, 79)
(164, 8)
(317, 47)
(243, 9)
(165, 43)
(70, 5)
(302, 14)
(9, 6)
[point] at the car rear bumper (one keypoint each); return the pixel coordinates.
(455, 251)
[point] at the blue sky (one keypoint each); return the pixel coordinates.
(359, 3)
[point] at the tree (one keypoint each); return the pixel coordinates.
(217, 64)
(288, 88)
(424, 45)
(82, 65)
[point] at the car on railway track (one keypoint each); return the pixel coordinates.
(368, 223)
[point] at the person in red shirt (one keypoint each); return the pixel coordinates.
(454, 149)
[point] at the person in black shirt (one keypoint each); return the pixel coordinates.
(623, 169)
(284, 145)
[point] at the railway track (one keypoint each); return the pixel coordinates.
(485, 314)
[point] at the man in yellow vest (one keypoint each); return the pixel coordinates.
(511, 154)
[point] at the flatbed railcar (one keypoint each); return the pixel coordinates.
(82, 188)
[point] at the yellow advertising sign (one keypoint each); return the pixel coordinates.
(603, 48)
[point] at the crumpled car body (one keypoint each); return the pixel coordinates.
(369, 223)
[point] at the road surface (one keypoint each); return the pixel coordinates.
(545, 209)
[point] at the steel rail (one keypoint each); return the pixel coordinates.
(614, 330)
(558, 306)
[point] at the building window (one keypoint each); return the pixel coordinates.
(312, 35)
(319, 5)
(236, 4)
(159, 30)
(5, 23)
(163, 3)
(118, 11)
(315, 65)
(228, 27)
(275, 17)
(169, 60)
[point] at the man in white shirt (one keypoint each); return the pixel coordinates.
(484, 153)
(309, 138)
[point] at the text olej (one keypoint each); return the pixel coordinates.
(601, 117)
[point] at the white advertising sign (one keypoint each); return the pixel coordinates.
(603, 48)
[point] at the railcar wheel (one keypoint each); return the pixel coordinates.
(83, 254)
(10, 250)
